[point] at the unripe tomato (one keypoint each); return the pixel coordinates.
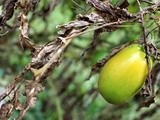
(123, 75)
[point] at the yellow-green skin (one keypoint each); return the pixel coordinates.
(123, 75)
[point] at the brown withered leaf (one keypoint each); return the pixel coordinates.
(23, 24)
(24, 39)
(67, 28)
(91, 18)
(29, 5)
(31, 101)
(102, 6)
(43, 55)
(82, 22)
(16, 102)
(32, 88)
(8, 9)
(5, 111)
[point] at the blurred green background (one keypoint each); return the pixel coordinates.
(68, 95)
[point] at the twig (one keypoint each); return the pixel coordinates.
(146, 51)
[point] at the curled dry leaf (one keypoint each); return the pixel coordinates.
(24, 39)
(102, 6)
(32, 88)
(27, 5)
(5, 111)
(7, 11)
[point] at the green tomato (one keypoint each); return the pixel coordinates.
(123, 75)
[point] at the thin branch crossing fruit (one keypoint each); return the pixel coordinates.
(123, 75)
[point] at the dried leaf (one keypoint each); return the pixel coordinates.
(33, 88)
(5, 111)
(24, 39)
(8, 9)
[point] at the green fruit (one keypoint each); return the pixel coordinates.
(123, 75)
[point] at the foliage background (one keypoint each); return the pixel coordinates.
(68, 94)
